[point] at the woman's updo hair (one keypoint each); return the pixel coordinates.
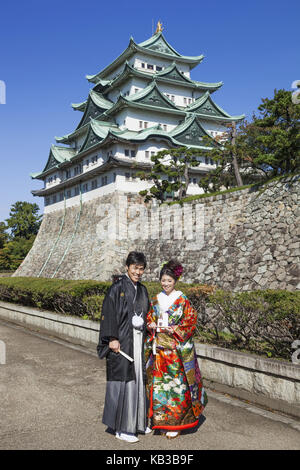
(172, 268)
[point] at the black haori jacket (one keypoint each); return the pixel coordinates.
(118, 308)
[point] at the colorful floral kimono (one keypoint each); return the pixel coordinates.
(174, 384)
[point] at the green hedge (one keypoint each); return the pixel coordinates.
(265, 322)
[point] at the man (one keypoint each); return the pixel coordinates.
(123, 330)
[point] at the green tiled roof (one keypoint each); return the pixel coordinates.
(155, 46)
(170, 74)
(57, 155)
(207, 107)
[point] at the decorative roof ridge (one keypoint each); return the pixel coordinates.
(207, 97)
(190, 119)
(146, 91)
(151, 41)
(133, 47)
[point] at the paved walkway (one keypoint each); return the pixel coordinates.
(52, 395)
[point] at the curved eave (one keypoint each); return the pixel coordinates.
(67, 139)
(192, 61)
(130, 71)
(113, 162)
(100, 101)
(176, 55)
(79, 106)
(193, 108)
(131, 49)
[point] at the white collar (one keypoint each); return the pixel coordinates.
(165, 301)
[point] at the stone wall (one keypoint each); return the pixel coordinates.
(243, 240)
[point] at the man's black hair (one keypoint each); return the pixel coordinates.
(136, 257)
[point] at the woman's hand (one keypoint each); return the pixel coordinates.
(152, 326)
(114, 345)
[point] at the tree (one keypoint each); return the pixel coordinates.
(271, 142)
(14, 252)
(228, 162)
(3, 234)
(24, 220)
(259, 150)
(170, 173)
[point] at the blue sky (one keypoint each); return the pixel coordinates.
(47, 48)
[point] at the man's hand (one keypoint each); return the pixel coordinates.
(114, 345)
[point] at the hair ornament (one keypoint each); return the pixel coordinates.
(163, 264)
(178, 271)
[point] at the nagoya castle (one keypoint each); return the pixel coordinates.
(142, 102)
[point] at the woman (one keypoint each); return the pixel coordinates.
(174, 385)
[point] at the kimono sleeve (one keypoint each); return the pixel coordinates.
(150, 315)
(186, 326)
(109, 322)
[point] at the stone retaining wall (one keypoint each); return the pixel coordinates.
(243, 240)
(271, 383)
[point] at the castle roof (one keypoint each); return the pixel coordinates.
(170, 75)
(156, 46)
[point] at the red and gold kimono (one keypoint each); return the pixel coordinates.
(174, 383)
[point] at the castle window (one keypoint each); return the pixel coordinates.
(164, 127)
(206, 161)
(68, 193)
(85, 187)
(158, 68)
(150, 66)
(194, 180)
(68, 174)
(143, 65)
(184, 101)
(173, 98)
(126, 151)
(61, 196)
(94, 159)
(104, 180)
(54, 198)
(76, 192)
(132, 153)
(47, 201)
(94, 184)
(147, 153)
(145, 125)
(115, 177)
(136, 90)
(141, 124)
(127, 176)
(87, 162)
